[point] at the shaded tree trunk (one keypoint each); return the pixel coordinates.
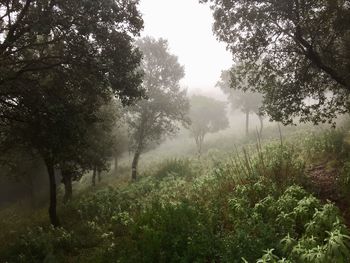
(135, 162)
(94, 176)
(68, 190)
(199, 142)
(116, 165)
(53, 195)
(261, 119)
(247, 123)
(99, 175)
(31, 189)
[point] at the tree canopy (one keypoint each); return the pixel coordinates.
(60, 62)
(296, 53)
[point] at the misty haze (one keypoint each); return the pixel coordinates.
(175, 131)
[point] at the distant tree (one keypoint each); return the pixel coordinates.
(166, 105)
(121, 143)
(243, 100)
(292, 51)
(101, 141)
(207, 116)
(60, 62)
(70, 171)
(95, 152)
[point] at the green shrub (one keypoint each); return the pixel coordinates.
(247, 207)
(279, 162)
(344, 180)
(293, 226)
(174, 167)
(331, 142)
(171, 233)
(43, 245)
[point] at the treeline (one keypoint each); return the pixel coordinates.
(78, 90)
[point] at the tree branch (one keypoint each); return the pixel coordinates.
(311, 54)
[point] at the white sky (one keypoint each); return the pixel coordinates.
(187, 25)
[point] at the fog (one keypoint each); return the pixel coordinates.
(174, 131)
(187, 25)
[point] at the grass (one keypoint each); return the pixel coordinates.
(244, 203)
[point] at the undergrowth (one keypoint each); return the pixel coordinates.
(250, 206)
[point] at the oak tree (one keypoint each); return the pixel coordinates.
(60, 61)
(246, 101)
(207, 116)
(166, 105)
(296, 53)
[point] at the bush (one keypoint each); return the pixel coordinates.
(328, 143)
(174, 167)
(344, 180)
(246, 208)
(43, 245)
(281, 163)
(293, 226)
(170, 233)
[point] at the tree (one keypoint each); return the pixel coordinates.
(60, 61)
(95, 152)
(121, 143)
(245, 101)
(295, 52)
(101, 141)
(37, 35)
(70, 171)
(166, 105)
(207, 116)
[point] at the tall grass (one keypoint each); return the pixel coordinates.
(246, 205)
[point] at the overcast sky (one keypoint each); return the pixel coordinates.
(187, 25)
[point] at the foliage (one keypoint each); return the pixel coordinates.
(172, 233)
(44, 245)
(90, 38)
(242, 100)
(166, 105)
(327, 143)
(245, 207)
(344, 180)
(64, 60)
(100, 138)
(175, 167)
(290, 224)
(293, 52)
(120, 134)
(280, 163)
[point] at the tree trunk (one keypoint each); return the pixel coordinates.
(261, 124)
(94, 177)
(116, 165)
(53, 196)
(31, 190)
(199, 148)
(199, 142)
(196, 138)
(99, 175)
(135, 162)
(247, 123)
(68, 191)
